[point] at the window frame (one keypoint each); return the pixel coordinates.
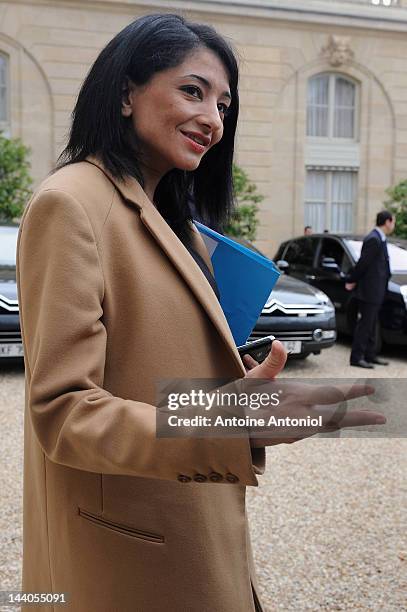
(335, 140)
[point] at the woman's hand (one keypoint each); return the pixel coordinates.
(302, 401)
(271, 366)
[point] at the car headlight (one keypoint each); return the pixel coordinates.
(324, 299)
(328, 334)
(403, 291)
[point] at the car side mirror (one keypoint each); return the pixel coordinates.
(328, 263)
(282, 265)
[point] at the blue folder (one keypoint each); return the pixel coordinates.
(245, 280)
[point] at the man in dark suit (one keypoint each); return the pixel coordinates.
(370, 277)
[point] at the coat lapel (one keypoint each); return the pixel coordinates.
(133, 193)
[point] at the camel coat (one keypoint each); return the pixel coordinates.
(111, 302)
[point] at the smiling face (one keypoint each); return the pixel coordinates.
(178, 115)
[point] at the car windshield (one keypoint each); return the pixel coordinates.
(398, 256)
(8, 247)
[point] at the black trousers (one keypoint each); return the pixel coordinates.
(364, 338)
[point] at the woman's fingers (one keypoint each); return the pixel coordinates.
(330, 394)
(302, 399)
(249, 362)
(272, 365)
(356, 418)
(306, 394)
(359, 418)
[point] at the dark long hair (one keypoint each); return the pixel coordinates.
(149, 45)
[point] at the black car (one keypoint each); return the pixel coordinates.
(10, 336)
(322, 260)
(301, 317)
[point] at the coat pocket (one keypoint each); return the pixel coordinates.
(123, 529)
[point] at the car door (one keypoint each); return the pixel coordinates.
(330, 280)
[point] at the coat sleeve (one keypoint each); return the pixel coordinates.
(78, 423)
(370, 251)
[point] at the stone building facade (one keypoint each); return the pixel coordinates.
(323, 124)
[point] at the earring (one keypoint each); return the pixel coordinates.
(126, 110)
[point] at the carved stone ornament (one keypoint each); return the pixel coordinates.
(338, 51)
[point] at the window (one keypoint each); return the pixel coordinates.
(329, 198)
(301, 252)
(331, 248)
(291, 254)
(331, 106)
(332, 153)
(3, 89)
(306, 251)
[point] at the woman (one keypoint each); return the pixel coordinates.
(114, 296)
(111, 302)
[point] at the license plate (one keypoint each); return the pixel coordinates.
(292, 346)
(11, 350)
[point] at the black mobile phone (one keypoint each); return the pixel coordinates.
(258, 349)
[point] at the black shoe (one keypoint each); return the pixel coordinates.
(378, 361)
(362, 364)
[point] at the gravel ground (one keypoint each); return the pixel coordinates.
(328, 521)
(329, 518)
(329, 526)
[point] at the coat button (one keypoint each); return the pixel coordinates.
(231, 478)
(215, 477)
(183, 478)
(200, 478)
